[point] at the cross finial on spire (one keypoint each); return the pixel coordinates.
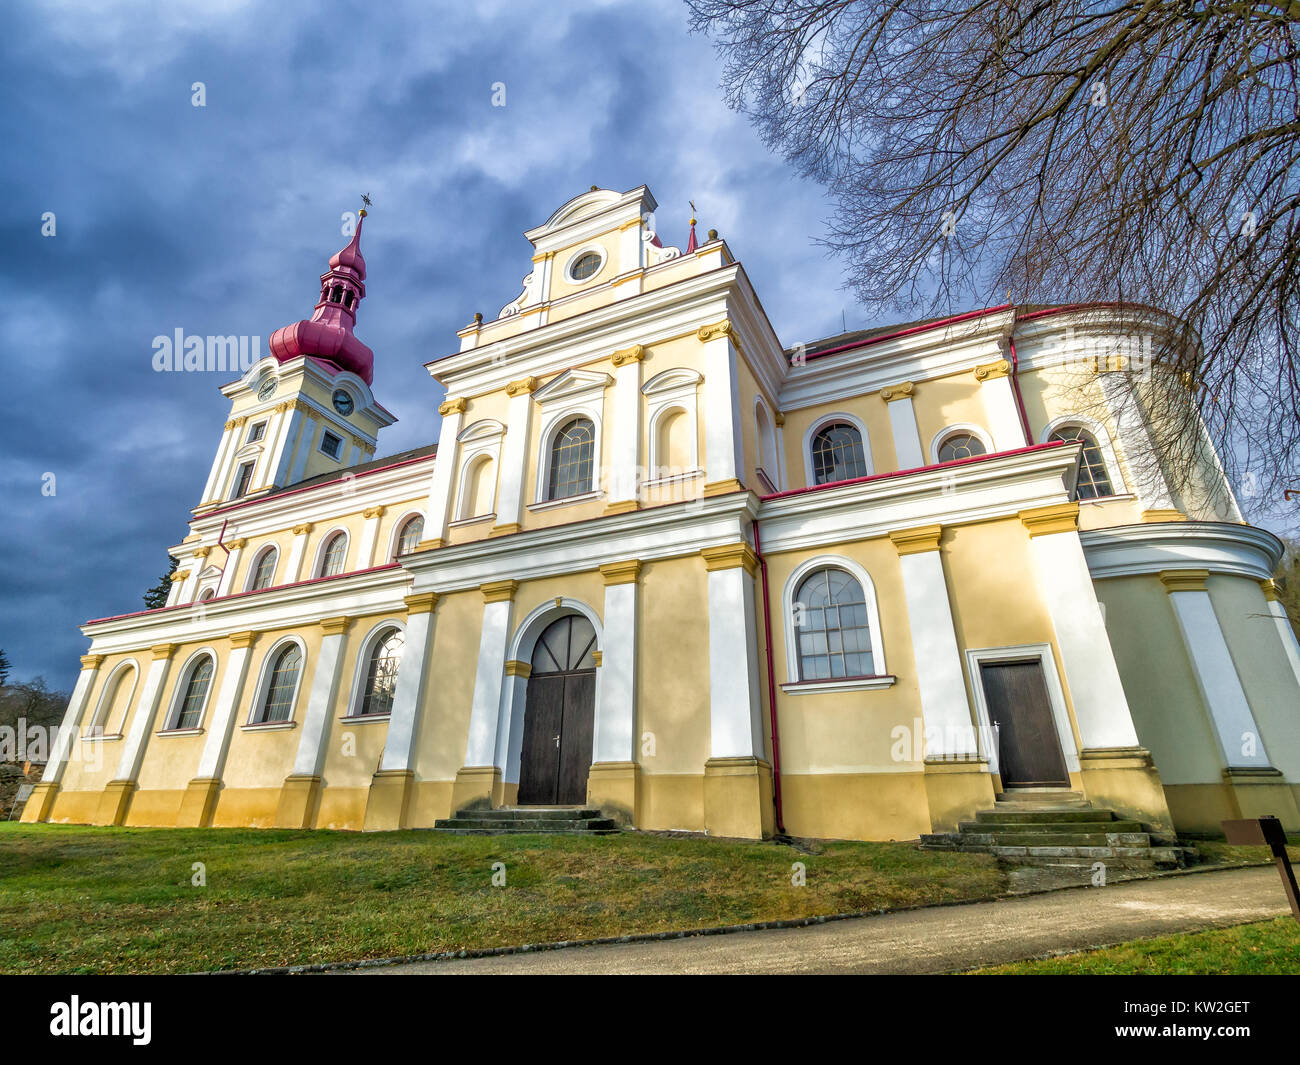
(365, 203)
(692, 243)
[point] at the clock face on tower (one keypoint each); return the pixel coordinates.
(342, 402)
(267, 388)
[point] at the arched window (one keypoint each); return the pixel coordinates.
(110, 715)
(264, 570)
(381, 673)
(961, 445)
(572, 458)
(412, 533)
(283, 682)
(567, 645)
(331, 560)
(206, 594)
(837, 454)
(831, 626)
(190, 711)
(1094, 481)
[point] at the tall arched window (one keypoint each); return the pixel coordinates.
(572, 458)
(960, 445)
(264, 569)
(1094, 481)
(331, 560)
(115, 701)
(412, 533)
(190, 711)
(831, 626)
(837, 454)
(381, 673)
(280, 688)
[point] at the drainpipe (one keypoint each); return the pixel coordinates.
(1015, 380)
(771, 682)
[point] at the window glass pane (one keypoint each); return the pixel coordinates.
(833, 641)
(332, 561)
(196, 692)
(279, 692)
(381, 675)
(412, 533)
(265, 570)
(960, 446)
(572, 454)
(837, 454)
(1094, 481)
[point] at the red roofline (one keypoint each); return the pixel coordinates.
(313, 487)
(240, 595)
(915, 469)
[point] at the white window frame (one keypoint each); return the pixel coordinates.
(774, 475)
(240, 462)
(574, 394)
(976, 431)
(353, 712)
(598, 250)
(255, 564)
(172, 718)
(395, 534)
(324, 544)
(810, 434)
(1055, 695)
(97, 720)
(476, 442)
(675, 389)
(1111, 461)
(264, 684)
(794, 685)
(320, 445)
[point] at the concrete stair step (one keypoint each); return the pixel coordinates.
(532, 830)
(1050, 827)
(1041, 797)
(1054, 839)
(523, 824)
(532, 813)
(1010, 816)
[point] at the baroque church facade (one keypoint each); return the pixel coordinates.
(657, 563)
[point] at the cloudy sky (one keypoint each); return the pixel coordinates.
(219, 220)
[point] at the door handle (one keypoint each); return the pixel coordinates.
(557, 739)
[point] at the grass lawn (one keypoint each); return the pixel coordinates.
(84, 900)
(1270, 948)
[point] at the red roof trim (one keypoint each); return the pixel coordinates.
(240, 595)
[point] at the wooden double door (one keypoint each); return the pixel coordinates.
(1029, 748)
(559, 715)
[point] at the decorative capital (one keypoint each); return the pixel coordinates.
(621, 572)
(162, 650)
(598, 657)
(374, 512)
(179, 575)
(903, 390)
(1057, 518)
(498, 591)
(717, 329)
(525, 386)
(1185, 580)
(779, 418)
(730, 556)
(1270, 591)
(303, 529)
(627, 355)
(238, 545)
(452, 406)
(990, 370)
(202, 552)
(335, 626)
(243, 639)
(431, 544)
(516, 668)
(1159, 514)
(235, 423)
(917, 540)
(91, 661)
(423, 603)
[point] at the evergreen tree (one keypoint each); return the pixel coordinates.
(157, 595)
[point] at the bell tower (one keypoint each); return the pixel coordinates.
(307, 407)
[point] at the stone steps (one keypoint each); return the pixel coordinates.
(521, 820)
(1053, 832)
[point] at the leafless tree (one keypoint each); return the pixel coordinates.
(1128, 152)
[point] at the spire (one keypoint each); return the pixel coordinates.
(692, 243)
(327, 334)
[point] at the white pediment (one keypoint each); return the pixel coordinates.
(486, 429)
(573, 384)
(672, 380)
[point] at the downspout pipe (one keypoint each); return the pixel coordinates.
(771, 681)
(1015, 380)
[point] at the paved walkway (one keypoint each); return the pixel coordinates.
(940, 939)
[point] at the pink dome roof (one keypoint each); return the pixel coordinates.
(327, 334)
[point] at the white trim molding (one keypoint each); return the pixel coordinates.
(792, 670)
(1220, 547)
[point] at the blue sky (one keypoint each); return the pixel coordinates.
(220, 219)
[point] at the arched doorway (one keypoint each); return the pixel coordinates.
(559, 714)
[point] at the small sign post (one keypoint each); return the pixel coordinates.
(1267, 832)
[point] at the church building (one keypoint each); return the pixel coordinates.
(661, 563)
